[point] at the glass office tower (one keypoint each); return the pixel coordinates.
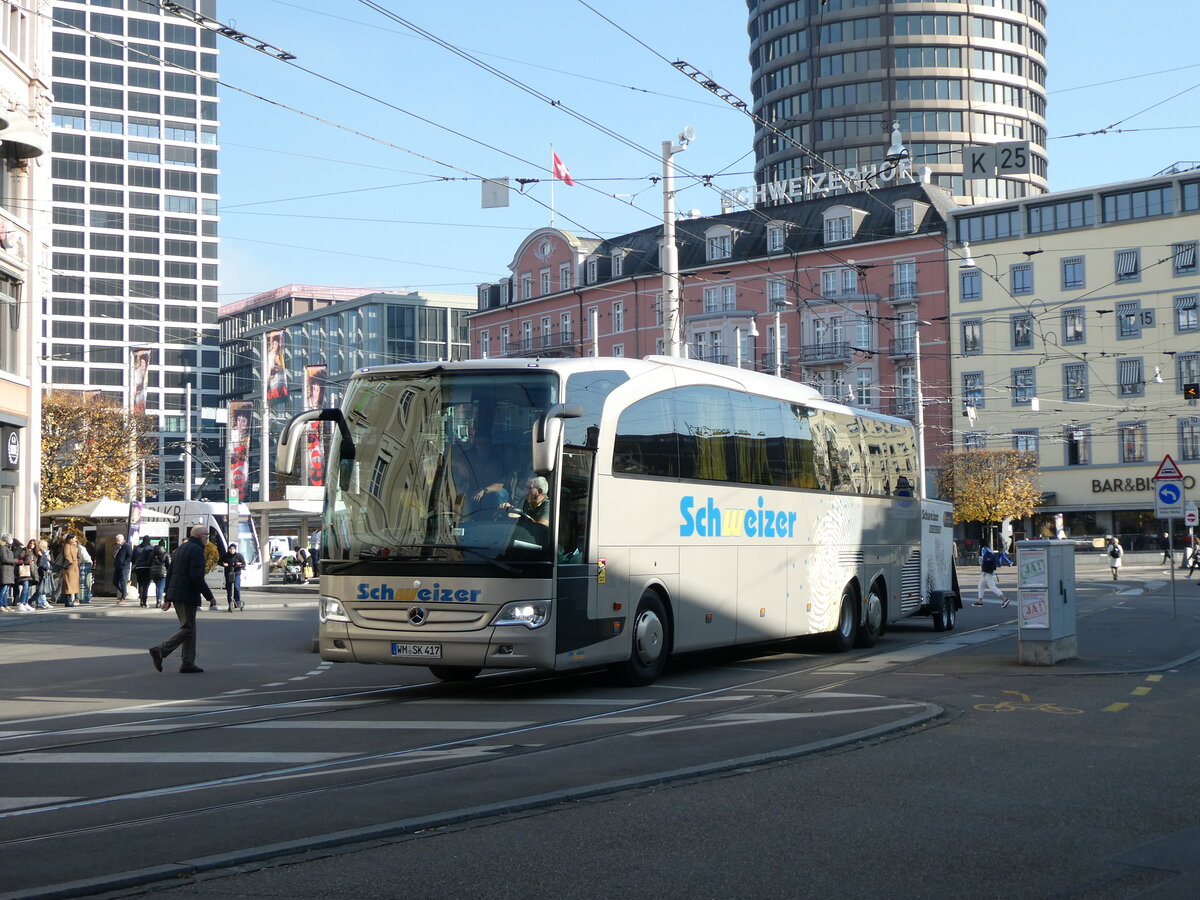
(135, 218)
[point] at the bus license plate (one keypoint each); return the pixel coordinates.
(421, 651)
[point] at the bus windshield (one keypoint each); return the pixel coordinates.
(442, 470)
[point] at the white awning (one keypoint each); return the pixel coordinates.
(1185, 256)
(1127, 261)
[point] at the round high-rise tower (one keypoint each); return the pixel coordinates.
(834, 75)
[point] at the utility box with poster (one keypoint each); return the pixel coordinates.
(1046, 611)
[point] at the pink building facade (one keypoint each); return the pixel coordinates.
(846, 279)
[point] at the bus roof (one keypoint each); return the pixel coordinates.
(747, 379)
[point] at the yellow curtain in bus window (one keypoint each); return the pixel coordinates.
(277, 387)
(240, 421)
(314, 451)
(141, 367)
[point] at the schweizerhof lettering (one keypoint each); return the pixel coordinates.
(433, 594)
(710, 520)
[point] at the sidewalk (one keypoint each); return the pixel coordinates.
(254, 597)
(1121, 627)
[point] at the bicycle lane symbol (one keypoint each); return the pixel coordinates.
(1027, 704)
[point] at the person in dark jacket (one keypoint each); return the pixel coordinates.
(159, 563)
(141, 568)
(186, 591)
(8, 573)
(233, 564)
(122, 557)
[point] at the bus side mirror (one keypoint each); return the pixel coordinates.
(548, 435)
(294, 434)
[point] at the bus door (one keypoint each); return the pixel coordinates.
(576, 576)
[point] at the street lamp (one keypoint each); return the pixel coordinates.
(753, 332)
(779, 305)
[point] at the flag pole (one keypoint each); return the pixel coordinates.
(553, 178)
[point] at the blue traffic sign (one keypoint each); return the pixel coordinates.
(1170, 493)
(1169, 500)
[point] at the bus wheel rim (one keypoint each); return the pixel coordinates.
(874, 611)
(648, 637)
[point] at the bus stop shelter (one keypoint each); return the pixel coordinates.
(299, 513)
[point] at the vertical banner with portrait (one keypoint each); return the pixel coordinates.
(314, 451)
(275, 370)
(135, 522)
(140, 359)
(240, 421)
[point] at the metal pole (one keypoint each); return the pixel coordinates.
(672, 332)
(594, 324)
(919, 417)
(264, 473)
(737, 336)
(778, 345)
(187, 443)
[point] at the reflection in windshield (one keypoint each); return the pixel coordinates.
(442, 469)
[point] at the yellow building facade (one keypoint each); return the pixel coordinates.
(1075, 333)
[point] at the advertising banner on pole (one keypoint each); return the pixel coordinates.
(240, 421)
(275, 369)
(314, 398)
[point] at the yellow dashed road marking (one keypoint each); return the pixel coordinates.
(1141, 692)
(1115, 707)
(1154, 678)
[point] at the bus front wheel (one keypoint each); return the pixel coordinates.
(843, 637)
(651, 640)
(454, 673)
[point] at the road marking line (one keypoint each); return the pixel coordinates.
(1115, 707)
(275, 684)
(19, 802)
(240, 691)
(363, 725)
(159, 757)
(1154, 678)
(763, 718)
(1141, 691)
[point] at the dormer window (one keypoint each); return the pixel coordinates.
(909, 215)
(841, 223)
(775, 236)
(618, 263)
(592, 270)
(719, 242)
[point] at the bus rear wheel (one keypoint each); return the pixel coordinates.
(651, 640)
(943, 619)
(843, 637)
(454, 673)
(873, 620)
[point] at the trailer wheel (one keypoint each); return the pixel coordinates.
(944, 618)
(651, 643)
(843, 637)
(872, 625)
(454, 673)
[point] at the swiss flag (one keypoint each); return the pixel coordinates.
(561, 171)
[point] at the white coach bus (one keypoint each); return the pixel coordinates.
(562, 514)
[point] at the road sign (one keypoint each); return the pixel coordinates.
(1169, 500)
(979, 162)
(1191, 517)
(1167, 470)
(1012, 158)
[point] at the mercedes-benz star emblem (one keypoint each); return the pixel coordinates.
(417, 615)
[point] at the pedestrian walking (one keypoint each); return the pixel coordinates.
(186, 590)
(27, 575)
(68, 562)
(159, 564)
(85, 574)
(233, 563)
(122, 557)
(1191, 556)
(989, 561)
(1115, 552)
(1164, 544)
(141, 568)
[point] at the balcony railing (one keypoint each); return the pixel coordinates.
(901, 347)
(767, 364)
(903, 407)
(904, 290)
(834, 351)
(553, 343)
(719, 358)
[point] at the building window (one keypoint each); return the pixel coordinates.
(1185, 314)
(839, 228)
(1075, 381)
(776, 293)
(1133, 442)
(970, 284)
(564, 277)
(1129, 378)
(593, 270)
(1024, 386)
(774, 238)
(1073, 332)
(1189, 438)
(1184, 258)
(618, 316)
(546, 335)
(904, 219)
(658, 308)
(973, 389)
(1072, 272)
(1022, 331)
(526, 286)
(1128, 265)
(618, 263)
(485, 344)
(1187, 369)
(505, 334)
(1026, 440)
(1129, 319)
(1021, 277)
(1078, 442)
(972, 336)
(544, 281)
(974, 440)
(1138, 204)
(719, 245)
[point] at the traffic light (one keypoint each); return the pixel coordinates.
(1191, 390)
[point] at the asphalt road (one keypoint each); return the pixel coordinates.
(933, 765)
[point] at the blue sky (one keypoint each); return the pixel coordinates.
(308, 202)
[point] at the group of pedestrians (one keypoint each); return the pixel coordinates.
(26, 582)
(150, 564)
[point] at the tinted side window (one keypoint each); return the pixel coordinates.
(645, 443)
(589, 390)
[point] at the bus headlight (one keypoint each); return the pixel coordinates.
(331, 609)
(530, 613)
